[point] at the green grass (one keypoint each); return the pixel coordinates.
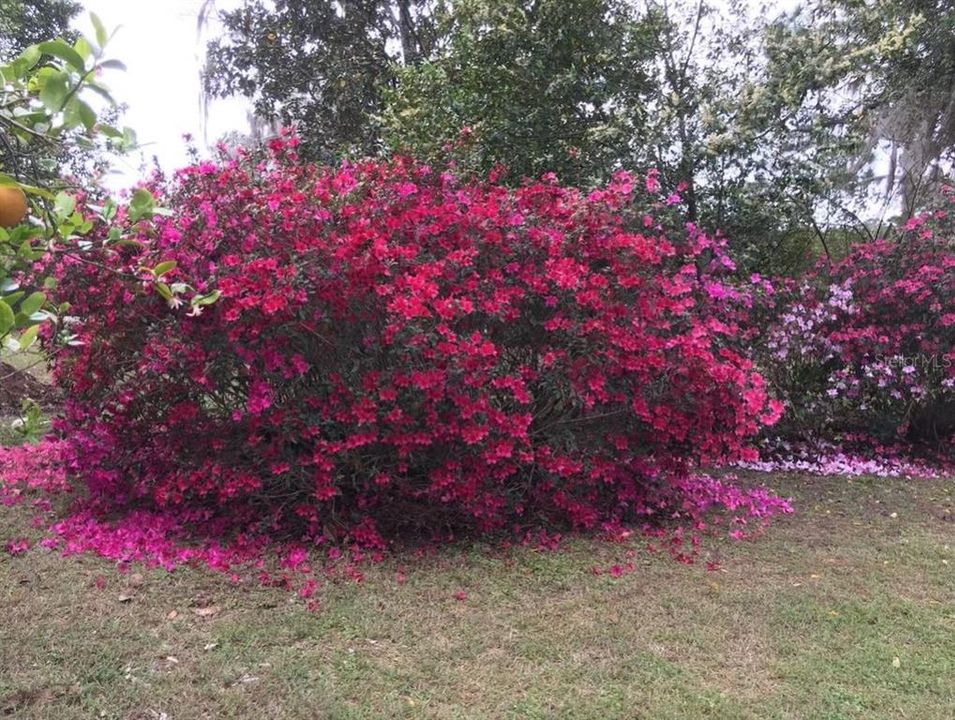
(844, 611)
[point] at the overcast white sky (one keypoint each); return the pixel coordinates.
(158, 43)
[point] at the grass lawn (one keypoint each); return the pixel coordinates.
(844, 610)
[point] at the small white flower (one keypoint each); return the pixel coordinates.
(196, 311)
(174, 302)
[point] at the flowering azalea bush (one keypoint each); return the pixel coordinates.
(868, 344)
(344, 354)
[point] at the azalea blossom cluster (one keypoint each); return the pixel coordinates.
(868, 344)
(383, 348)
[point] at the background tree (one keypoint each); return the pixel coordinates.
(318, 64)
(754, 164)
(584, 86)
(545, 85)
(25, 23)
(882, 74)
(778, 128)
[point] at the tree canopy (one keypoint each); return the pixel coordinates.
(318, 64)
(792, 132)
(23, 24)
(546, 86)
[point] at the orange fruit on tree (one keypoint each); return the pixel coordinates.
(13, 206)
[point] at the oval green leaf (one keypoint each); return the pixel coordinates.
(59, 49)
(28, 336)
(164, 267)
(7, 318)
(33, 303)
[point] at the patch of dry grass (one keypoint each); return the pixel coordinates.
(845, 610)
